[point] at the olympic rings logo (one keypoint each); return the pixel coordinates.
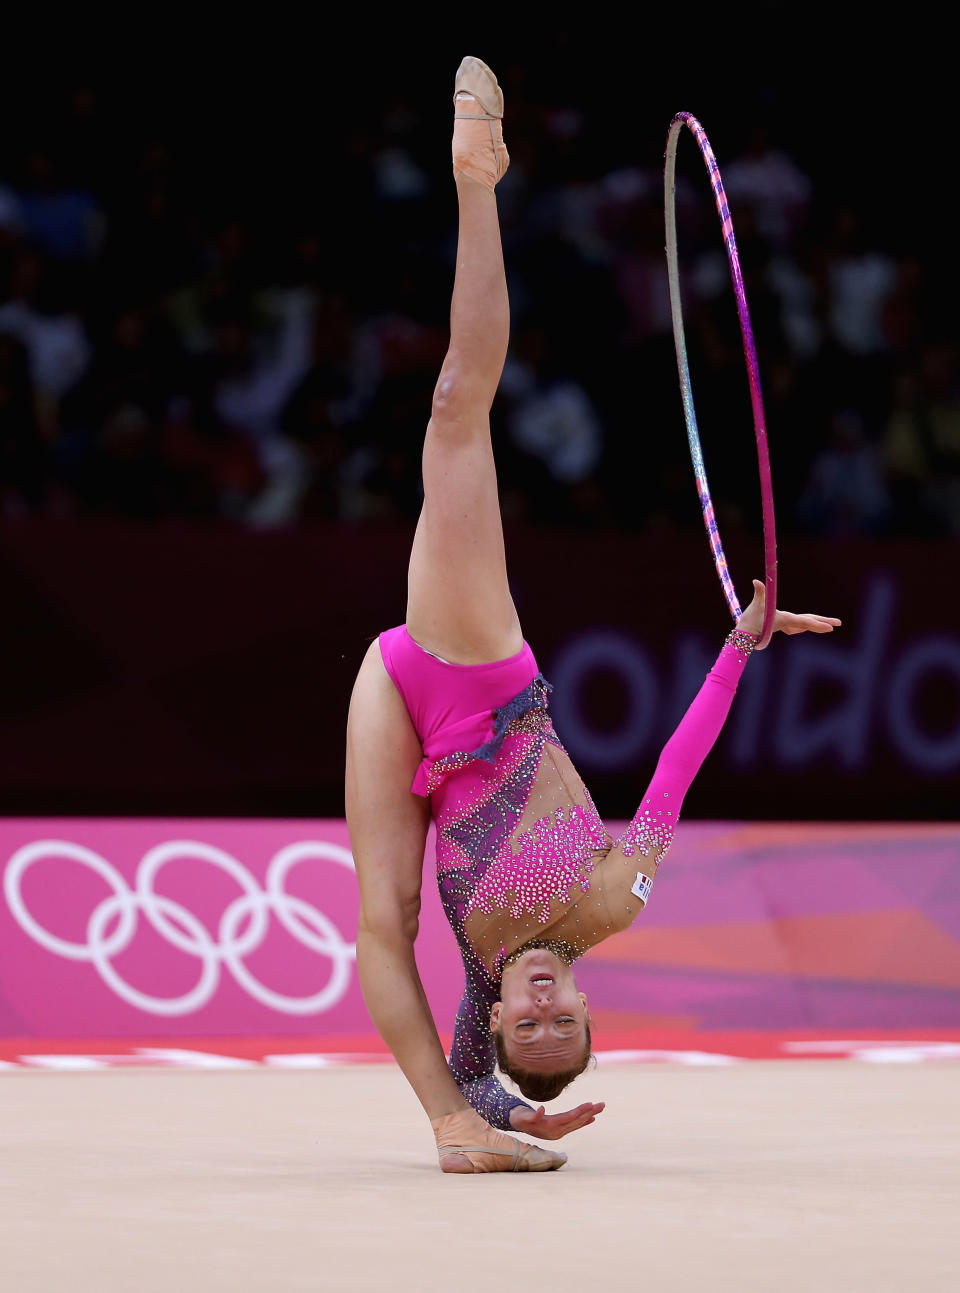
(184, 931)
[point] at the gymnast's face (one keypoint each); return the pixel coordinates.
(541, 1016)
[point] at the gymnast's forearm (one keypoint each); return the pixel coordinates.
(655, 821)
(703, 722)
(398, 1006)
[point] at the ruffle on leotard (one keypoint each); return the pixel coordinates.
(449, 748)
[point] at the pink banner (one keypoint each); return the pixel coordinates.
(204, 929)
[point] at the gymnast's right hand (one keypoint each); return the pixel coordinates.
(467, 1144)
(751, 621)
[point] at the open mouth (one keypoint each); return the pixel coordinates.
(542, 981)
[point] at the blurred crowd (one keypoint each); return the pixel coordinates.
(262, 347)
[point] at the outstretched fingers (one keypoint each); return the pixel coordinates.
(787, 622)
(537, 1122)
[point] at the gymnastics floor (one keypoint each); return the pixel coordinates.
(770, 1175)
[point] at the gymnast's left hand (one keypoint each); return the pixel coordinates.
(751, 621)
(551, 1126)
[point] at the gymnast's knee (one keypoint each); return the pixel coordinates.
(460, 402)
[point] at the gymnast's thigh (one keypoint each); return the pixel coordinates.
(458, 599)
(387, 823)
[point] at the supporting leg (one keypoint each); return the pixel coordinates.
(388, 831)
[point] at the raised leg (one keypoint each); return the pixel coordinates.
(458, 600)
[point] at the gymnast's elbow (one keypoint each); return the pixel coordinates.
(390, 919)
(622, 918)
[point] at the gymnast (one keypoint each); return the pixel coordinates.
(449, 717)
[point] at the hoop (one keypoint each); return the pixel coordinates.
(750, 355)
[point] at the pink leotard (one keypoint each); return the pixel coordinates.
(521, 850)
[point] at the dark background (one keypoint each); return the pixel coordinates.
(225, 263)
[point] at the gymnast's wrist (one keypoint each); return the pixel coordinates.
(742, 640)
(523, 1108)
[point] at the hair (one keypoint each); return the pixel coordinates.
(540, 1086)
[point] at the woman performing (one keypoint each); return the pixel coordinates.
(449, 717)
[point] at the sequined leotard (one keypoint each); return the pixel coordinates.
(521, 850)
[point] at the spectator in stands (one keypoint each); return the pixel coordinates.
(55, 339)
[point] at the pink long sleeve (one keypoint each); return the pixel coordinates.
(655, 821)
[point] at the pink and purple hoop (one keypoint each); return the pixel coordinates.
(750, 354)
